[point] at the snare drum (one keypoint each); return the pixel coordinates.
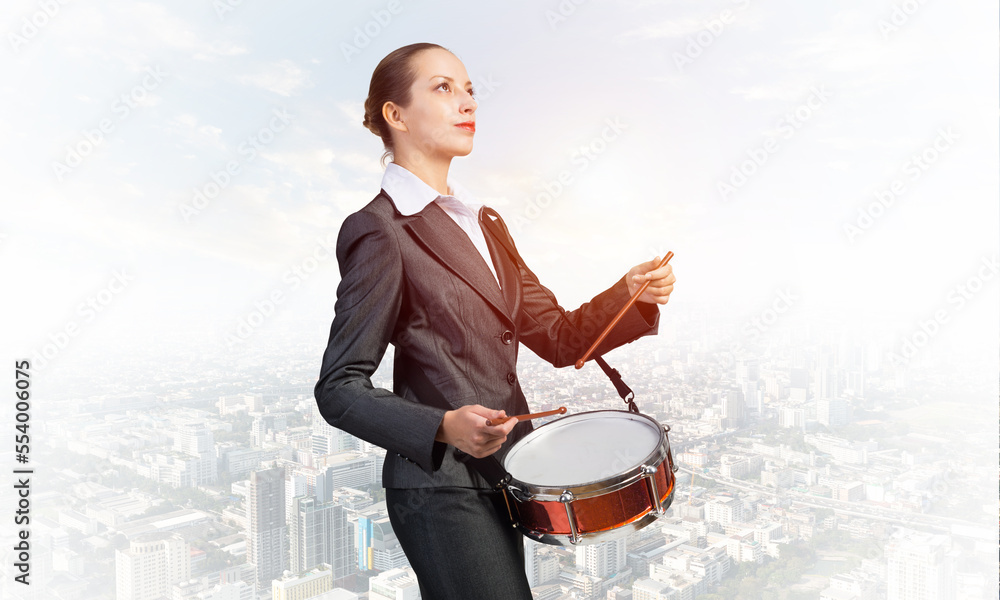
(590, 477)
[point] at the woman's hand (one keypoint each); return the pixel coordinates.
(465, 428)
(661, 281)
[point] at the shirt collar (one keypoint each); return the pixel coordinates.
(411, 195)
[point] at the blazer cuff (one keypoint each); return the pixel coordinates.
(641, 319)
(428, 454)
(437, 456)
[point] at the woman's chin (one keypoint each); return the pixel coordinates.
(463, 151)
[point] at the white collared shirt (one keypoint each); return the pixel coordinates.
(411, 195)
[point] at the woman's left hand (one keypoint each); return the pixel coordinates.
(661, 281)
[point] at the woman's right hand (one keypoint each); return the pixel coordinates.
(465, 428)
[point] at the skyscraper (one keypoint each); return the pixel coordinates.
(348, 469)
(267, 535)
(197, 442)
(733, 408)
(319, 534)
(833, 412)
(602, 560)
(152, 563)
(798, 385)
(918, 568)
(377, 546)
(540, 566)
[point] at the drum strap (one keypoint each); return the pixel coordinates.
(493, 222)
(489, 467)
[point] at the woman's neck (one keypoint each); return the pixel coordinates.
(432, 172)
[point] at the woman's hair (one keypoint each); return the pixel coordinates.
(391, 82)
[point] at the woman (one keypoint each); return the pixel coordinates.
(418, 271)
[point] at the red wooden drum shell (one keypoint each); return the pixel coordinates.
(552, 509)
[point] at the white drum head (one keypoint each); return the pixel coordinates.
(583, 448)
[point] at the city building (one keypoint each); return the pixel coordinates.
(376, 545)
(833, 412)
(151, 565)
(267, 533)
(349, 469)
(602, 560)
(304, 586)
(327, 439)
(724, 510)
(319, 534)
(918, 567)
(650, 589)
(541, 566)
(394, 584)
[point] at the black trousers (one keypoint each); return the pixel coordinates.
(459, 543)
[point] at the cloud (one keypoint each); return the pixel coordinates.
(786, 91)
(355, 111)
(282, 77)
(195, 134)
(671, 28)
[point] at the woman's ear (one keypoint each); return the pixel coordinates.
(393, 116)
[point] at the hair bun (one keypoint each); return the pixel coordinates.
(370, 125)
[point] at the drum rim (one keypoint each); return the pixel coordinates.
(596, 487)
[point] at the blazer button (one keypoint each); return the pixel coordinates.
(507, 337)
(511, 378)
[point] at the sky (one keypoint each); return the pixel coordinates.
(174, 171)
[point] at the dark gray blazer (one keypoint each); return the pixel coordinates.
(419, 283)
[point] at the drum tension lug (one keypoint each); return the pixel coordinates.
(567, 498)
(649, 472)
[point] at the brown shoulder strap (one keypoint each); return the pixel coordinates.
(493, 222)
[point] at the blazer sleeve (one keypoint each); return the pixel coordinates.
(369, 297)
(561, 337)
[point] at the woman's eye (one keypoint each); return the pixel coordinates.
(443, 85)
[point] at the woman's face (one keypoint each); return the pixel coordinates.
(440, 120)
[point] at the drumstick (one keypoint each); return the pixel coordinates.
(611, 325)
(559, 411)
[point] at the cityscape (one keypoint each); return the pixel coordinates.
(808, 466)
(826, 371)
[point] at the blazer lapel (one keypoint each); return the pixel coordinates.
(445, 239)
(507, 270)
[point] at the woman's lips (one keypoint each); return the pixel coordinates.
(468, 126)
